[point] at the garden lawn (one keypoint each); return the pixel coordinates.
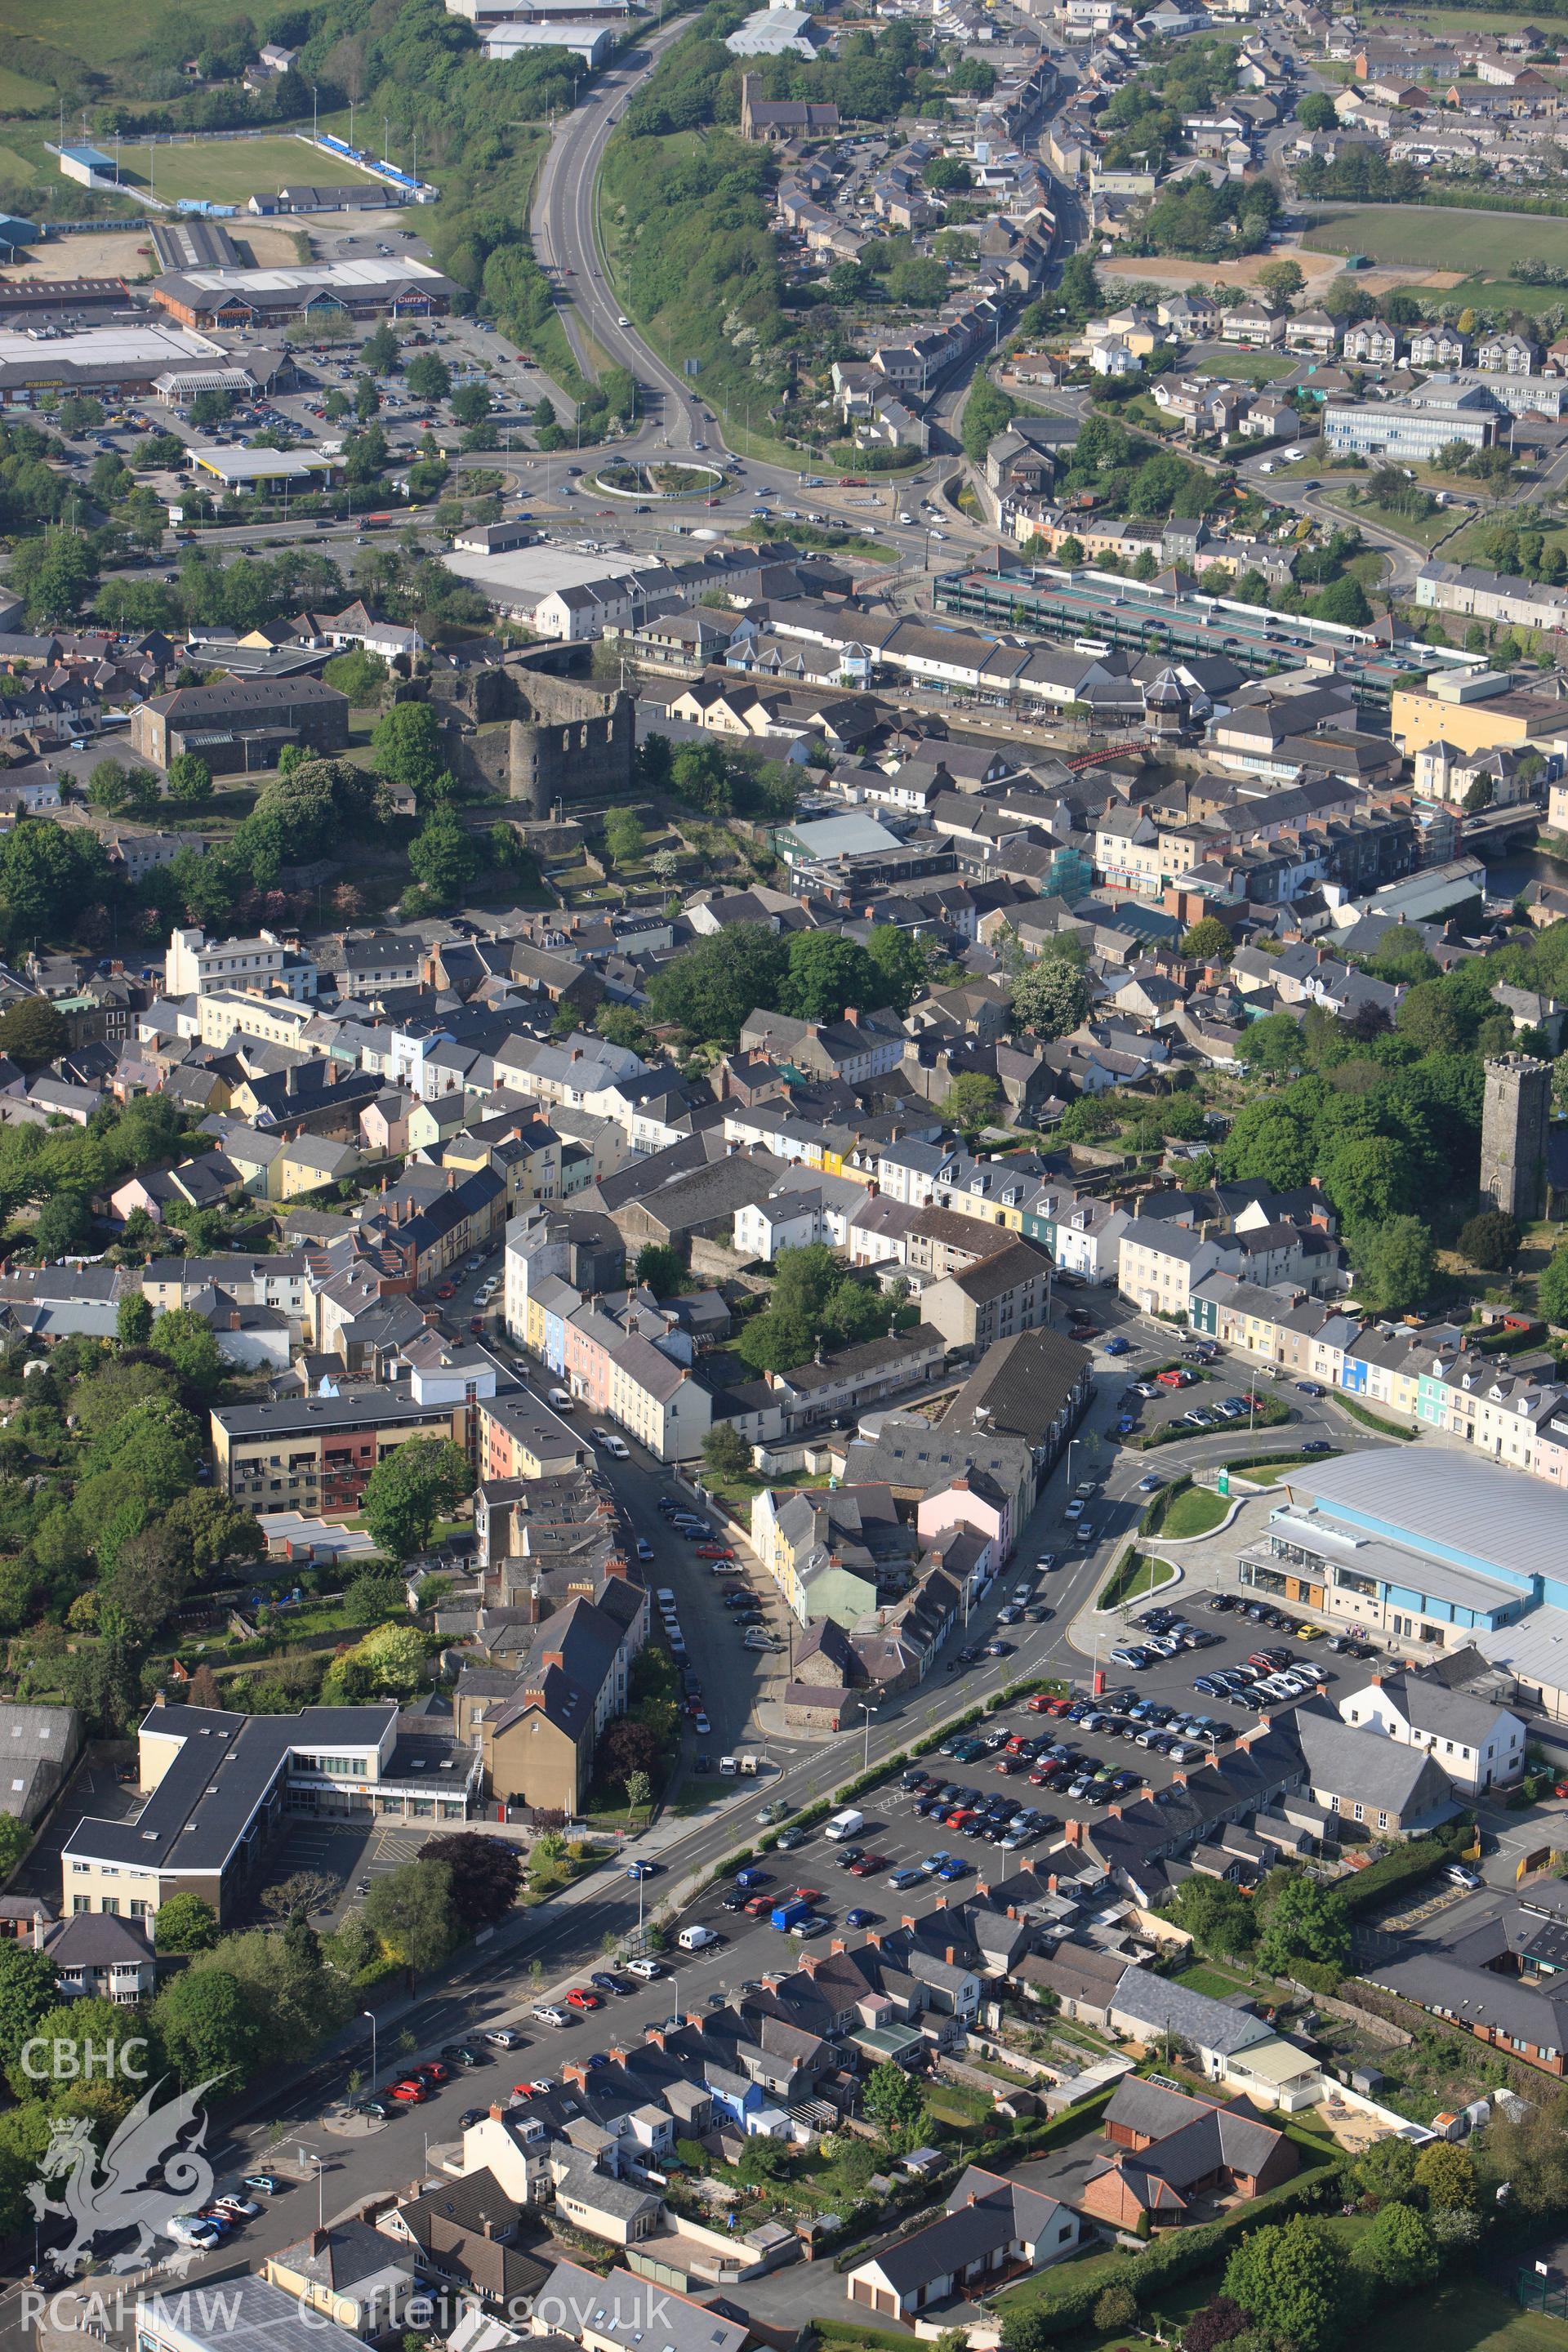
(225, 171)
(1121, 1587)
(1468, 2315)
(1464, 547)
(1253, 367)
(1424, 530)
(1439, 236)
(1195, 1513)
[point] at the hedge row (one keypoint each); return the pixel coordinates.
(1407, 1865)
(1153, 1518)
(1066, 2304)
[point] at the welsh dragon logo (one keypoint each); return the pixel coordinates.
(147, 2174)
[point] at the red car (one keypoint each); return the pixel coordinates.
(434, 2069)
(409, 2092)
(714, 1552)
(448, 1290)
(579, 1998)
(868, 1865)
(759, 1906)
(808, 1894)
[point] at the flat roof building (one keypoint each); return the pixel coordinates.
(215, 1787)
(1432, 1547)
(367, 287)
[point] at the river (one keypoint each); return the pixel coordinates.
(1510, 876)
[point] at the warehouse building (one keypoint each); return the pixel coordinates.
(101, 360)
(368, 288)
(1435, 1548)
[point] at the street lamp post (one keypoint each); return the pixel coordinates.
(869, 1713)
(369, 2015)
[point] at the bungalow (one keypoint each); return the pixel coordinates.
(992, 2227)
(1170, 2150)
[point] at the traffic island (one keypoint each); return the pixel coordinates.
(661, 482)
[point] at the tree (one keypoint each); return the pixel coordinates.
(1282, 279)
(625, 843)
(946, 171)
(1491, 1239)
(725, 1451)
(639, 1794)
(659, 1267)
(414, 1486)
(625, 1746)
(1115, 2307)
(208, 2027)
(389, 1660)
(1220, 1919)
(61, 1225)
(1051, 998)
(406, 746)
(1398, 2251)
(184, 1924)
(486, 1874)
(827, 974)
(27, 1994)
(902, 965)
(33, 1032)
(971, 1099)
(411, 1910)
(187, 1342)
(134, 1319)
(442, 856)
(1305, 1922)
(378, 352)
(1394, 1264)
(709, 989)
(1208, 942)
(1216, 2322)
(1291, 2278)
(470, 403)
(1315, 110)
(1552, 1290)
(1447, 2174)
(428, 377)
(891, 2097)
(190, 779)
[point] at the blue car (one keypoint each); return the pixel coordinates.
(641, 1869)
(752, 1878)
(859, 1918)
(1119, 1347)
(1126, 1426)
(953, 1869)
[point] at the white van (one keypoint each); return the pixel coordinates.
(664, 1597)
(845, 1825)
(615, 1447)
(695, 1939)
(561, 1399)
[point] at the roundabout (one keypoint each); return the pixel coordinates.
(663, 482)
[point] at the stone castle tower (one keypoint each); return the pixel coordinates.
(1514, 1118)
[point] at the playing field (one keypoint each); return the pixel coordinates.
(227, 171)
(1440, 237)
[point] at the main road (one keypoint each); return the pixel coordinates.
(566, 241)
